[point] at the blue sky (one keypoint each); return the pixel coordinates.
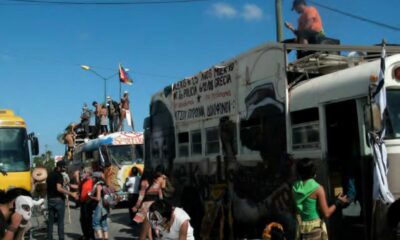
(42, 47)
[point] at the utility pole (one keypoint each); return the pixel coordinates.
(279, 21)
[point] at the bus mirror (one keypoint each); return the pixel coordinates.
(35, 145)
(376, 118)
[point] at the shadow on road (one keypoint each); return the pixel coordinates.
(73, 235)
(121, 218)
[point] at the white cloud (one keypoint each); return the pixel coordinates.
(249, 12)
(224, 10)
(252, 12)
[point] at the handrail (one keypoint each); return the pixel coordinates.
(331, 47)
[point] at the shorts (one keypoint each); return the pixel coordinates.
(313, 37)
(100, 217)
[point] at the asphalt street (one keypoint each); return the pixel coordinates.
(118, 223)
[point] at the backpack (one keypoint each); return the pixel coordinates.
(109, 196)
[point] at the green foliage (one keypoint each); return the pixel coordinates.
(45, 160)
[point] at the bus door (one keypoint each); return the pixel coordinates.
(347, 169)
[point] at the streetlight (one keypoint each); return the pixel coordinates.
(88, 68)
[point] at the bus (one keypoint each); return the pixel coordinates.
(121, 150)
(16, 147)
(231, 134)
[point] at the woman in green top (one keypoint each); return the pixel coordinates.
(311, 202)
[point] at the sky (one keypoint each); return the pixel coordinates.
(42, 47)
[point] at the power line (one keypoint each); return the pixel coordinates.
(76, 65)
(156, 2)
(364, 19)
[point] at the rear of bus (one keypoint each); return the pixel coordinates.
(15, 163)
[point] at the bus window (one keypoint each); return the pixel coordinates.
(14, 151)
(212, 140)
(86, 156)
(393, 119)
(305, 129)
(139, 153)
(183, 144)
(122, 154)
(196, 142)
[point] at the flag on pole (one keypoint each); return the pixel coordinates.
(381, 186)
(123, 76)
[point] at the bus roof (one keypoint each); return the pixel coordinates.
(118, 138)
(9, 119)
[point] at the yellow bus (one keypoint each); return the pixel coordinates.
(15, 161)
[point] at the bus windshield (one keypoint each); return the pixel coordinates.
(393, 120)
(14, 151)
(126, 154)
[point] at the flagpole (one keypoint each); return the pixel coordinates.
(120, 85)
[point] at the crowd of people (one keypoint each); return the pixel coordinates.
(148, 207)
(109, 117)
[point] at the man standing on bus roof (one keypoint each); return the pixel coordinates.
(309, 27)
(85, 120)
(113, 114)
(56, 199)
(97, 114)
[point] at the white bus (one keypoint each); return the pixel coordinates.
(225, 135)
(122, 150)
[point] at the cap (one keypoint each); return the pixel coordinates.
(108, 97)
(297, 2)
(125, 92)
(61, 164)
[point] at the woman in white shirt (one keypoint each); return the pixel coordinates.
(132, 185)
(168, 222)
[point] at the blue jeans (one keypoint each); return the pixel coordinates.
(100, 216)
(56, 206)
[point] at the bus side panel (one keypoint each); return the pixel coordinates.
(16, 179)
(248, 184)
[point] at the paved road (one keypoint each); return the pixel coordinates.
(119, 226)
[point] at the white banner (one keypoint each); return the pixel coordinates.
(212, 93)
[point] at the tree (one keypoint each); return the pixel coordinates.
(44, 160)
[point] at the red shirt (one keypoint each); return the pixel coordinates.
(87, 187)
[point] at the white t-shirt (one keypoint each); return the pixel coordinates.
(133, 184)
(180, 216)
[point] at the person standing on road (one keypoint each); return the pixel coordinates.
(101, 212)
(87, 206)
(310, 196)
(56, 199)
(132, 184)
(167, 222)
